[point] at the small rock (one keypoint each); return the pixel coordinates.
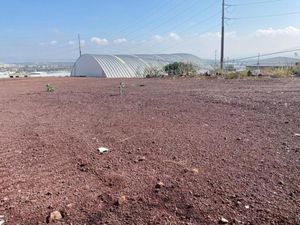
(238, 203)
(121, 200)
(142, 159)
(239, 139)
(5, 199)
(195, 171)
(281, 182)
(197, 195)
(54, 216)
(159, 185)
(297, 135)
(223, 221)
(247, 207)
(103, 150)
(2, 221)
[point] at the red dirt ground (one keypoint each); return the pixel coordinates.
(221, 148)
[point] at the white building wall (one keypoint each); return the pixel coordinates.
(88, 66)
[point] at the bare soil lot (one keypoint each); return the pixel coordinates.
(181, 151)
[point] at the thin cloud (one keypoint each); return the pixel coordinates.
(290, 30)
(158, 38)
(170, 36)
(174, 36)
(99, 41)
(120, 41)
(53, 42)
(55, 30)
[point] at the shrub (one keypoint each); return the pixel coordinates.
(280, 72)
(180, 69)
(296, 70)
(153, 72)
(236, 75)
(230, 68)
(50, 88)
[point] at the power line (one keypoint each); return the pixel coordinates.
(196, 24)
(139, 20)
(164, 20)
(176, 25)
(265, 16)
(266, 54)
(193, 38)
(254, 3)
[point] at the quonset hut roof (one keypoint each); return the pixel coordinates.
(120, 66)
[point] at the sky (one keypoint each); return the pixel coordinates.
(47, 30)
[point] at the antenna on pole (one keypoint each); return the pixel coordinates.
(222, 36)
(79, 44)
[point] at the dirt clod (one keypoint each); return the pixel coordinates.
(122, 200)
(159, 185)
(54, 217)
(195, 171)
(223, 221)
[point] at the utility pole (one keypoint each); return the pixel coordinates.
(216, 66)
(258, 64)
(222, 36)
(79, 44)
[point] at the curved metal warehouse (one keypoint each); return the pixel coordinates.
(126, 66)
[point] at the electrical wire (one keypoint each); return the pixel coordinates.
(266, 54)
(265, 16)
(133, 49)
(253, 3)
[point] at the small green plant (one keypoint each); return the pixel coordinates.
(50, 88)
(122, 88)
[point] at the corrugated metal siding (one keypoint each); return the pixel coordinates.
(136, 65)
(113, 68)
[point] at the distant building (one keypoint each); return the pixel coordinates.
(272, 63)
(126, 66)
